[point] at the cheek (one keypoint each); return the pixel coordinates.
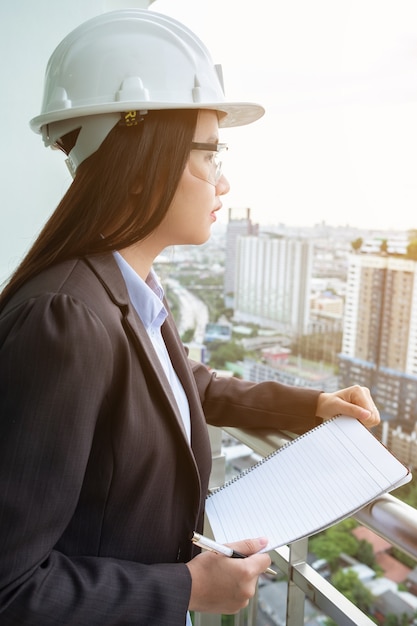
(193, 194)
(188, 220)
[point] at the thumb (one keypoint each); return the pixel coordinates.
(249, 546)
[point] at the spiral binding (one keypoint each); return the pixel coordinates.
(268, 457)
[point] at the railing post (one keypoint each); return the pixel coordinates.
(218, 469)
(207, 619)
(295, 595)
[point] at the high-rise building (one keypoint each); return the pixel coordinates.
(379, 347)
(236, 227)
(258, 372)
(273, 282)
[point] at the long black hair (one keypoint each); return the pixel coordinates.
(123, 190)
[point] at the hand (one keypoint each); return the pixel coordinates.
(225, 585)
(354, 402)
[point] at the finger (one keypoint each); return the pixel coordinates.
(373, 419)
(368, 417)
(361, 397)
(250, 546)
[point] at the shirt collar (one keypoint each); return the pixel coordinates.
(146, 296)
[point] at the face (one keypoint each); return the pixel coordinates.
(196, 201)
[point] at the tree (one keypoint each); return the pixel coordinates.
(408, 493)
(393, 620)
(221, 353)
(384, 246)
(188, 335)
(412, 250)
(365, 553)
(348, 583)
(357, 244)
(333, 541)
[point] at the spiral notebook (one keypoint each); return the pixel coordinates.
(306, 486)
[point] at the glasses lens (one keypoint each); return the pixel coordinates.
(206, 161)
(216, 167)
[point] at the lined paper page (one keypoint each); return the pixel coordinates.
(314, 481)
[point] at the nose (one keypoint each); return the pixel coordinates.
(222, 186)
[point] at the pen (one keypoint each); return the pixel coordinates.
(209, 544)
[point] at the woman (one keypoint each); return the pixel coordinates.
(104, 452)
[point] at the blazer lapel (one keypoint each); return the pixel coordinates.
(106, 269)
(199, 433)
(178, 356)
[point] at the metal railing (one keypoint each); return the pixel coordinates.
(387, 516)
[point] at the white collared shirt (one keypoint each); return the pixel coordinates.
(146, 297)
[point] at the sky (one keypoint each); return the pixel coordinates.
(338, 80)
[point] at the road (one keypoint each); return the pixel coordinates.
(193, 311)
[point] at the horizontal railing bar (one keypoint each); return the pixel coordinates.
(393, 520)
(322, 593)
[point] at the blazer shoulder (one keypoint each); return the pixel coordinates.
(88, 280)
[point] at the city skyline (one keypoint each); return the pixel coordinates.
(338, 81)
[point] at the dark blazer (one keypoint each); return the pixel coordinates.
(99, 489)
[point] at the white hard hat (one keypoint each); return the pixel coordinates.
(132, 59)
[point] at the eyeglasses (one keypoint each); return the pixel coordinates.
(209, 167)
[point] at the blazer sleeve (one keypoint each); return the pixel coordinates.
(243, 404)
(50, 395)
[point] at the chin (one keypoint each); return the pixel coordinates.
(196, 239)
(203, 239)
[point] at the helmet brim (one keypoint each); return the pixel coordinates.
(234, 113)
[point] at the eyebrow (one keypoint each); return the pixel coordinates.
(210, 139)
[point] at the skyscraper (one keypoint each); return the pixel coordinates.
(272, 282)
(236, 227)
(379, 347)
